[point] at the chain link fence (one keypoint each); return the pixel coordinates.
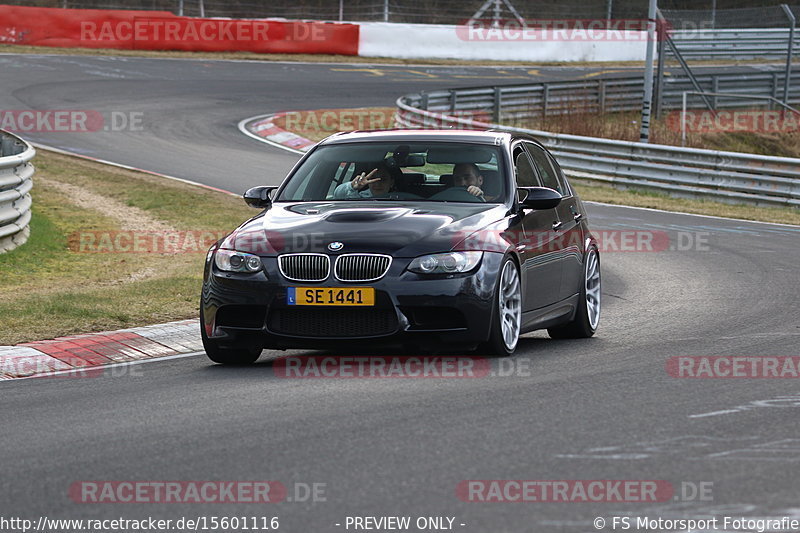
(682, 14)
(729, 19)
(406, 11)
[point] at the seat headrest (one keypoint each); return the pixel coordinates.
(413, 178)
(492, 184)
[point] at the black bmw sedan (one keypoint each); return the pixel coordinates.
(427, 239)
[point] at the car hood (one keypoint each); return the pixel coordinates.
(401, 229)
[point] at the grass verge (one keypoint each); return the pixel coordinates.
(49, 287)
(666, 130)
(639, 198)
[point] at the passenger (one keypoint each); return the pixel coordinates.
(375, 184)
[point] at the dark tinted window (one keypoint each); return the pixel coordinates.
(561, 178)
(526, 176)
(545, 168)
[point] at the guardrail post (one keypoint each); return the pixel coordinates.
(714, 89)
(774, 88)
(453, 99)
(423, 102)
(659, 88)
(789, 53)
(545, 99)
(498, 101)
(601, 95)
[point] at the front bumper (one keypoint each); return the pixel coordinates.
(250, 310)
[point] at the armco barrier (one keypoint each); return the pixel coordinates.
(509, 103)
(16, 171)
(723, 176)
(161, 30)
(739, 44)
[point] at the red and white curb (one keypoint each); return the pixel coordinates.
(79, 352)
(262, 128)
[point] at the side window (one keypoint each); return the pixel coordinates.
(545, 168)
(526, 176)
(560, 175)
(344, 172)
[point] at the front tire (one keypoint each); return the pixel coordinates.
(587, 317)
(227, 356)
(506, 312)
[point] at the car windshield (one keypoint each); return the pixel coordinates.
(433, 171)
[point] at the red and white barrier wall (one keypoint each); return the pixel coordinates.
(428, 41)
(161, 30)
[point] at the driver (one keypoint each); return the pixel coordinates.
(469, 175)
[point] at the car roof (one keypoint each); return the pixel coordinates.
(406, 135)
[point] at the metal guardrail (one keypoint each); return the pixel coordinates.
(740, 44)
(509, 103)
(16, 172)
(689, 172)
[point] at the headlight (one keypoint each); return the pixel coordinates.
(449, 263)
(231, 261)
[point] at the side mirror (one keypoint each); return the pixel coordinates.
(538, 197)
(259, 196)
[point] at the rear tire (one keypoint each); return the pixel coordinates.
(506, 312)
(587, 317)
(227, 356)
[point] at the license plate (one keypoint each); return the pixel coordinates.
(352, 296)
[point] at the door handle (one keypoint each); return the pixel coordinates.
(578, 217)
(557, 225)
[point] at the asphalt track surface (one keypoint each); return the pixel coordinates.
(603, 408)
